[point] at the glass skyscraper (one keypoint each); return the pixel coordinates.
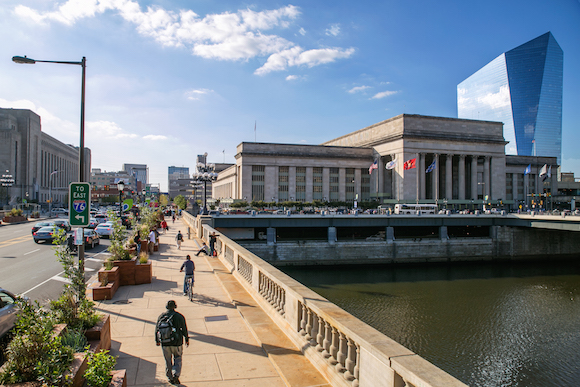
(523, 89)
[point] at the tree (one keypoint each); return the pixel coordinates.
(163, 200)
(180, 201)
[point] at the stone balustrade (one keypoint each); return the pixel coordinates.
(348, 352)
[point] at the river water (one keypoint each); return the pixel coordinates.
(487, 324)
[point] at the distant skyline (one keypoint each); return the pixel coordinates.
(168, 80)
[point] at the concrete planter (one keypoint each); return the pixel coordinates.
(100, 333)
(106, 292)
(143, 273)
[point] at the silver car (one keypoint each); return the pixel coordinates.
(8, 312)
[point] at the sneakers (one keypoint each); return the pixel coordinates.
(175, 380)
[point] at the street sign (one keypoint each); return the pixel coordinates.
(79, 195)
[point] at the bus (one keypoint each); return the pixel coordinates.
(413, 209)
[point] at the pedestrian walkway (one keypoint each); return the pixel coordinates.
(232, 341)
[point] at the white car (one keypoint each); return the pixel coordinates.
(104, 229)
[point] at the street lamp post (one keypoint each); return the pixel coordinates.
(82, 63)
(205, 172)
(120, 187)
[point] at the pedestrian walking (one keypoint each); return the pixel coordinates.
(179, 239)
(212, 242)
(137, 240)
(164, 226)
(170, 331)
(189, 267)
(151, 244)
(173, 216)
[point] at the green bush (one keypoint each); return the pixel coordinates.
(75, 339)
(99, 367)
(75, 314)
(16, 212)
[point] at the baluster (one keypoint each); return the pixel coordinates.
(303, 320)
(341, 354)
(308, 325)
(261, 284)
(269, 297)
(333, 347)
(350, 360)
(321, 335)
(283, 303)
(278, 298)
(314, 333)
(327, 340)
(355, 383)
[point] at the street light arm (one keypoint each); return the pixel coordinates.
(26, 60)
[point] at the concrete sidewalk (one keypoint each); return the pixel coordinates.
(232, 341)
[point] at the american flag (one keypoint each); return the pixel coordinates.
(374, 165)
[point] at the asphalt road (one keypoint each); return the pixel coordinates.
(32, 269)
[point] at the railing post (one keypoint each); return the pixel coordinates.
(327, 340)
(350, 360)
(308, 325)
(314, 333)
(320, 336)
(341, 355)
(333, 347)
(303, 318)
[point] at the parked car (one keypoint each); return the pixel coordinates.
(92, 239)
(39, 225)
(62, 223)
(46, 234)
(104, 229)
(93, 223)
(8, 314)
(59, 211)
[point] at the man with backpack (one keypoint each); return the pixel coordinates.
(179, 239)
(189, 268)
(170, 331)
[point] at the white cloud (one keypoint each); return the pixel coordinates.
(334, 30)
(296, 56)
(302, 31)
(495, 100)
(155, 137)
(226, 36)
(195, 94)
(357, 89)
(292, 77)
(383, 94)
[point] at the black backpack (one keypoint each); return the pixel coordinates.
(166, 332)
(179, 237)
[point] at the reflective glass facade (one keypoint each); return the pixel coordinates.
(523, 89)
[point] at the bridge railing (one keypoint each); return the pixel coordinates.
(345, 350)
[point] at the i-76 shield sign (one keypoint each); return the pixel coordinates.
(79, 204)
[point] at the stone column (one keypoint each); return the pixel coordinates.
(271, 235)
(421, 174)
(449, 177)
(486, 181)
(325, 183)
(435, 176)
(380, 175)
(515, 189)
(341, 184)
(331, 235)
(461, 180)
(357, 183)
(390, 234)
(474, 177)
(291, 183)
(309, 184)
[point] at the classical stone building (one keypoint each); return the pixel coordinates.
(457, 162)
(40, 164)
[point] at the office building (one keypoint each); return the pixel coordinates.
(523, 89)
(178, 181)
(42, 167)
(140, 172)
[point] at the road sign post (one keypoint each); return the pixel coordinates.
(79, 195)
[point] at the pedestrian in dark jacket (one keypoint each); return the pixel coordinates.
(173, 350)
(212, 242)
(189, 267)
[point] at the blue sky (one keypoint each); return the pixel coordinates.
(170, 79)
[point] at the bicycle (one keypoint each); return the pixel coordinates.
(190, 288)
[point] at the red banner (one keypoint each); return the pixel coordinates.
(410, 164)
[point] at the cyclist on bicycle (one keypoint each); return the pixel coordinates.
(189, 268)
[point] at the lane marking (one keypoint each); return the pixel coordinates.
(89, 269)
(40, 284)
(16, 240)
(33, 251)
(61, 279)
(93, 260)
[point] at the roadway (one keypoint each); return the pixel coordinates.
(31, 269)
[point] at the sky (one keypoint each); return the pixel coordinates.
(167, 80)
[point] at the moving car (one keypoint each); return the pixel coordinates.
(104, 229)
(39, 225)
(62, 223)
(93, 223)
(101, 218)
(92, 239)
(47, 234)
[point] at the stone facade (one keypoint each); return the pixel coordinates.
(467, 160)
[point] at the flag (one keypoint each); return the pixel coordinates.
(550, 172)
(391, 164)
(374, 165)
(431, 167)
(410, 164)
(544, 172)
(528, 169)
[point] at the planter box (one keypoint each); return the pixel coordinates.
(13, 219)
(126, 271)
(145, 246)
(78, 368)
(101, 332)
(143, 273)
(119, 378)
(105, 292)
(112, 275)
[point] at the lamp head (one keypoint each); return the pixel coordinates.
(23, 59)
(121, 185)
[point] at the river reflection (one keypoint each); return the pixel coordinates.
(487, 324)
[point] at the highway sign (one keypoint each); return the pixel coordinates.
(79, 195)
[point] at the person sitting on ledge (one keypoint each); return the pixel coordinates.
(204, 249)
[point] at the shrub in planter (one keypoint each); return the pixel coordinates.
(100, 365)
(76, 314)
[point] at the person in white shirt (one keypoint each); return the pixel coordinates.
(151, 238)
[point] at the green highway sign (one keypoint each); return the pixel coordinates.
(79, 195)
